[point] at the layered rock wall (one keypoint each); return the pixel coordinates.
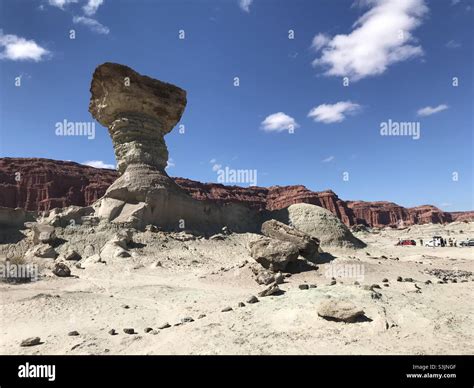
(47, 184)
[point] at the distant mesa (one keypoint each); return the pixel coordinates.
(48, 184)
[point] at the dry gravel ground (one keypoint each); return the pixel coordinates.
(167, 280)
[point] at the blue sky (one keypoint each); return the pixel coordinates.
(399, 57)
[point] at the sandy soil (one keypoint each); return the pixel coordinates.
(166, 280)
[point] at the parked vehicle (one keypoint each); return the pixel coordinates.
(467, 243)
(436, 241)
(433, 243)
(407, 242)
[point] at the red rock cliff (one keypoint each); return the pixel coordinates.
(383, 213)
(45, 184)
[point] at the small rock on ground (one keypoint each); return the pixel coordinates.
(252, 299)
(32, 341)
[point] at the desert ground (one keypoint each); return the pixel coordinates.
(186, 281)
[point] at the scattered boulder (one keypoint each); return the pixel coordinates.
(129, 331)
(42, 250)
(164, 326)
(112, 332)
(303, 286)
(226, 309)
(307, 246)
(340, 310)
(273, 254)
(270, 290)
(252, 299)
(148, 329)
(32, 341)
(152, 228)
(241, 304)
(61, 270)
(187, 320)
(71, 254)
(117, 246)
(73, 333)
(44, 234)
(265, 278)
(279, 278)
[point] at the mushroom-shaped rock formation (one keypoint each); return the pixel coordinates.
(138, 112)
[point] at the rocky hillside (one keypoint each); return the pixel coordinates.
(44, 184)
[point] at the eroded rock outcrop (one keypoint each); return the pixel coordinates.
(318, 223)
(138, 112)
(307, 246)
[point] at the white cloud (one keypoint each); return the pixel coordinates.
(319, 41)
(93, 24)
(429, 110)
(91, 7)
(61, 3)
(170, 163)
(452, 44)
(328, 159)
(16, 48)
(99, 164)
(215, 166)
(245, 5)
(333, 113)
(278, 122)
(445, 204)
(380, 37)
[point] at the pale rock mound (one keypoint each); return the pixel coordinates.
(340, 310)
(319, 223)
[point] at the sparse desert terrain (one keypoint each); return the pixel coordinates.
(171, 277)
